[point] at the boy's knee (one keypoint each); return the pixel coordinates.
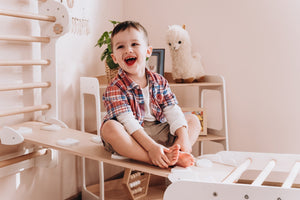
(108, 127)
(193, 121)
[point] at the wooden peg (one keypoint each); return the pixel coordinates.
(58, 29)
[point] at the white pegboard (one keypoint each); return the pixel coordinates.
(54, 8)
(54, 30)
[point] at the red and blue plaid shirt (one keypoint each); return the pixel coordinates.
(124, 95)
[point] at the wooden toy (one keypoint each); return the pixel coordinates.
(136, 183)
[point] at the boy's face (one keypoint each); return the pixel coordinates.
(130, 50)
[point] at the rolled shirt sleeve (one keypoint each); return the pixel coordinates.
(175, 117)
(129, 122)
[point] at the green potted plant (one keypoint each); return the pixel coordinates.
(111, 68)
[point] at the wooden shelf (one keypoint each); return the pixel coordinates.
(202, 84)
(115, 190)
(210, 137)
(205, 83)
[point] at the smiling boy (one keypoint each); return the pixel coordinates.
(143, 120)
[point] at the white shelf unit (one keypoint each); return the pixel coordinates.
(212, 83)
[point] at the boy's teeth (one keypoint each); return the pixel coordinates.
(130, 60)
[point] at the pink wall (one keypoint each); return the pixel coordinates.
(255, 46)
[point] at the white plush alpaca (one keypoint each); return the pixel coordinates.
(186, 67)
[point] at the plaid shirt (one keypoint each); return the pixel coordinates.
(124, 95)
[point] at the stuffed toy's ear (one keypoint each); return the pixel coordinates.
(183, 26)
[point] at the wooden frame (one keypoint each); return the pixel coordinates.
(21, 158)
(55, 24)
(157, 61)
(56, 13)
(27, 15)
(201, 114)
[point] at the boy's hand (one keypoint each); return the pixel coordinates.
(183, 140)
(156, 152)
(158, 156)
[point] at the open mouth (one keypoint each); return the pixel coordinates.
(130, 60)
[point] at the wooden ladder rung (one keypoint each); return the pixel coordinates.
(292, 175)
(17, 38)
(23, 110)
(264, 173)
(23, 62)
(21, 158)
(23, 86)
(25, 15)
(235, 175)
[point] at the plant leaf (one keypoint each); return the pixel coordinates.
(106, 34)
(114, 22)
(106, 40)
(102, 39)
(109, 48)
(104, 54)
(111, 64)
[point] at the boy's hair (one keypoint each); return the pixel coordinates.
(126, 25)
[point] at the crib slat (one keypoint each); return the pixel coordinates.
(264, 174)
(292, 175)
(27, 15)
(23, 62)
(25, 86)
(17, 38)
(235, 175)
(25, 110)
